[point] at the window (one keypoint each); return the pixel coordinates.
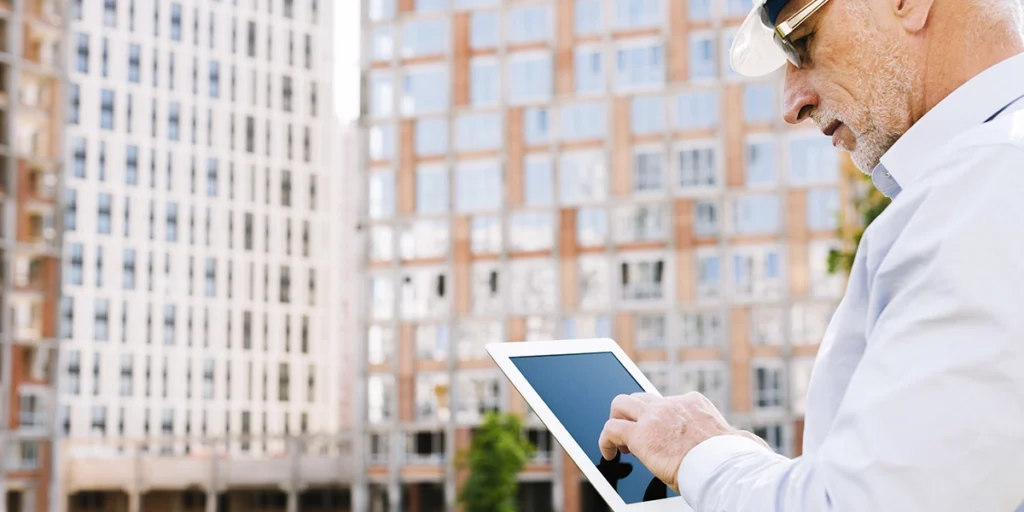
(591, 227)
(104, 58)
(757, 273)
(283, 382)
(423, 6)
(535, 126)
(648, 115)
(584, 121)
(381, 95)
(128, 274)
(75, 261)
(173, 120)
(131, 168)
(813, 161)
(696, 110)
(647, 170)
(424, 293)
(761, 163)
(432, 342)
(102, 316)
(176, 22)
(79, 155)
(588, 17)
(309, 51)
(703, 329)
(703, 62)
(71, 210)
(768, 326)
(478, 132)
(478, 187)
(472, 337)
(639, 66)
(529, 24)
(382, 46)
(486, 288)
(477, 395)
(380, 345)
(382, 296)
(286, 93)
(705, 218)
(312, 99)
(756, 215)
(107, 110)
(641, 223)
(103, 213)
(709, 276)
(823, 209)
(31, 409)
(634, 14)
(129, 116)
(211, 177)
(759, 103)
(769, 386)
(76, 102)
(582, 178)
(431, 189)
(587, 326)
(594, 282)
(529, 77)
(82, 62)
(530, 231)
(126, 375)
(380, 10)
(485, 82)
(483, 30)
(169, 324)
(171, 229)
(700, 10)
(431, 136)
(589, 75)
(211, 277)
(424, 37)
(539, 181)
(485, 235)
(214, 79)
(101, 167)
(697, 167)
(649, 331)
(424, 91)
(531, 286)
(99, 266)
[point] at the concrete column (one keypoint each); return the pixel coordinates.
(361, 496)
(394, 497)
(134, 500)
(293, 500)
(211, 500)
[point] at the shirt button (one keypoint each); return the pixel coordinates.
(887, 175)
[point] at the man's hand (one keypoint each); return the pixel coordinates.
(661, 431)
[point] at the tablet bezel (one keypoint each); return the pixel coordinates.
(502, 354)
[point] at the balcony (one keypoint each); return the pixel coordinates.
(45, 11)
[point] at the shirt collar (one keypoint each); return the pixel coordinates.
(969, 105)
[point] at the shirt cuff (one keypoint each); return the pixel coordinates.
(703, 461)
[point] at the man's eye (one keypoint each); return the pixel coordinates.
(801, 44)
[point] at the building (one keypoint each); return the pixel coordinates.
(31, 107)
(199, 349)
(548, 169)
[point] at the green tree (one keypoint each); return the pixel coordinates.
(498, 453)
(869, 204)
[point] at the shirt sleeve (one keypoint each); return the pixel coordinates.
(933, 417)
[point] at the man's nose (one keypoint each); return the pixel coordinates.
(798, 98)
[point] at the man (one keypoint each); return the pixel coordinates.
(916, 401)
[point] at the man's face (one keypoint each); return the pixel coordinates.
(856, 80)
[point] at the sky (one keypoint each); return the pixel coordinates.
(346, 55)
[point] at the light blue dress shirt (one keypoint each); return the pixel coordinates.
(916, 400)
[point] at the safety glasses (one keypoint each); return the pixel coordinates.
(784, 29)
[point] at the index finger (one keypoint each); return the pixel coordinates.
(616, 433)
(627, 407)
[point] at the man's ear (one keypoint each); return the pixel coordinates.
(912, 14)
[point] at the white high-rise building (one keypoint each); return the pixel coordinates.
(198, 235)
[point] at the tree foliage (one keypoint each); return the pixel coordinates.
(499, 451)
(869, 205)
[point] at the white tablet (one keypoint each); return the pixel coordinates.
(570, 385)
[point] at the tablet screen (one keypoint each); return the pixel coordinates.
(579, 388)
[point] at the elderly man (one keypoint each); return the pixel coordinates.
(916, 401)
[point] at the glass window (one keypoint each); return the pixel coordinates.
(582, 178)
(76, 102)
(382, 46)
(134, 56)
(535, 121)
(477, 395)
(727, 39)
(759, 103)
(761, 163)
(214, 79)
(483, 30)
(756, 215)
(103, 213)
(757, 273)
(422, 239)
(583, 121)
(486, 288)
(382, 297)
(734, 8)
(82, 62)
(380, 10)
(589, 75)
(430, 5)
(424, 293)
(176, 22)
(128, 274)
(484, 82)
(594, 282)
(529, 24)
(588, 17)
(382, 195)
(823, 209)
(529, 77)
(173, 120)
(640, 66)
(768, 326)
(813, 161)
(700, 10)
(703, 63)
(380, 345)
(709, 276)
(382, 142)
(478, 132)
(706, 218)
(424, 37)
(79, 155)
(381, 95)
(591, 227)
(697, 167)
(75, 261)
(107, 110)
(640, 223)
(381, 243)
(696, 110)
(433, 342)
(431, 136)
(647, 170)
(532, 286)
(478, 187)
(648, 115)
(431, 189)
(634, 14)
(539, 181)
(642, 279)
(424, 91)
(381, 397)
(485, 235)
(769, 386)
(530, 231)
